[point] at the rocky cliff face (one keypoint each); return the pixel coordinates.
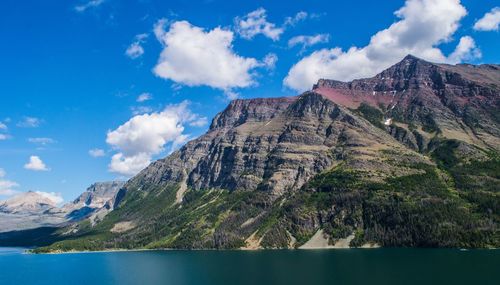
(460, 102)
(99, 197)
(406, 158)
(273, 145)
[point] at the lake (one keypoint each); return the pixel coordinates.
(351, 266)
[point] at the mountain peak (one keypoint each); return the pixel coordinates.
(28, 202)
(412, 58)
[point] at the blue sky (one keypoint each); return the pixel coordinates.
(73, 71)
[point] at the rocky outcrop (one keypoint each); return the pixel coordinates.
(458, 102)
(99, 197)
(276, 147)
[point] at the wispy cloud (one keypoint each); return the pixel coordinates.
(144, 97)
(308, 41)
(97, 152)
(4, 137)
(42, 141)
(91, 4)
(135, 49)
(255, 23)
(7, 187)
(29, 122)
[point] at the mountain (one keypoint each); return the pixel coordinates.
(29, 203)
(31, 210)
(460, 102)
(28, 210)
(95, 202)
(406, 158)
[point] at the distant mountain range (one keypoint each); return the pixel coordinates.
(406, 158)
(34, 209)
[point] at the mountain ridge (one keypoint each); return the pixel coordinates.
(30, 210)
(394, 160)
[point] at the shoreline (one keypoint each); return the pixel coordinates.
(247, 250)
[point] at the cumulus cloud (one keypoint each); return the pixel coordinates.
(129, 165)
(41, 141)
(144, 97)
(91, 4)
(3, 126)
(423, 25)
(308, 41)
(56, 198)
(193, 56)
(489, 22)
(465, 50)
(7, 186)
(29, 122)
(4, 137)
(135, 49)
(36, 164)
(255, 23)
(97, 152)
(146, 135)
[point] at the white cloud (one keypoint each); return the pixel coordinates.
(159, 28)
(231, 95)
(7, 186)
(195, 57)
(97, 152)
(135, 49)
(91, 4)
(3, 126)
(129, 165)
(489, 22)
(423, 25)
(465, 50)
(29, 122)
(269, 61)
(36, 164)
(308, 41)
(144, 97)
(299, 17)
(56, 198)
(200, 122)
(255, 23)
(41, 141)
(139, 110)
(146, 135)
(4, 137)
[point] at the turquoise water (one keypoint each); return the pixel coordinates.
(374, 266)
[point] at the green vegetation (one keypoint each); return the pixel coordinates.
(429, 124)
(454, 203)
(372, 114)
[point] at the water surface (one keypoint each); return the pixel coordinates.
(352, 266)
